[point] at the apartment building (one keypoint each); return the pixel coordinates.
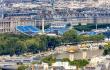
(15, 1)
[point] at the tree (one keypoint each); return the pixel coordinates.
(106, 49)
(11, 44)
(84, 38)
(79, 63)
(70, 36)
(50, 59)
(53, 42)
(97, 38)
(43, 42)
(33, 45)
(65, 60)
(21, 47)
(22, 67)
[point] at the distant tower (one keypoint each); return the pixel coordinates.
(43, 26)
(43, 15)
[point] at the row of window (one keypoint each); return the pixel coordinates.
(4, 30)
(4, 24)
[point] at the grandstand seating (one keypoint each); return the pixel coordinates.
(21, 28)
(88, 33)
(29, 30)
(60, 31)
(91, 33)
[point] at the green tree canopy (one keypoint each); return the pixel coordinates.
(50, 59)
(97, 38)
(79, 63)
(11, 44)
(107, 49)
(65, 60)
(71, 36)
(22, 67)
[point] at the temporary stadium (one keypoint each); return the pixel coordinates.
(25, 17)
